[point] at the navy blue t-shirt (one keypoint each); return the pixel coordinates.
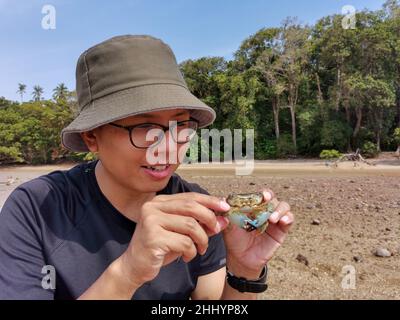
(63, 220)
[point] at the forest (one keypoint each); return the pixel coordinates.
(307, 91)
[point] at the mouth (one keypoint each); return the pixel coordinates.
(158, 168)
(158, 172)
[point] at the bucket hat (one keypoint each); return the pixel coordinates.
(125, 76)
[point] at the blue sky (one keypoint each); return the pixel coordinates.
(193, 28)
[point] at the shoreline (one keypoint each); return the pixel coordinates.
(297, 167)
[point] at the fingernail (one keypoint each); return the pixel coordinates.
(285, 219)
(275, 216)
(224, 206)
(222, 222)
(267, 195)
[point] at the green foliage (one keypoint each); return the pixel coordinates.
(90, 156)
(237, 100)
(370, 149)
(268, 150)
(285, 147)
(334, 133)
(32, 131)
(396, 136)
(10, 155)
(82, 156)
(330, 154)
(199, 149)
(303, 89)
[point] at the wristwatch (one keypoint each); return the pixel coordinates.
(244, 285)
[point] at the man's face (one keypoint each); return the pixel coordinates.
(140, 170)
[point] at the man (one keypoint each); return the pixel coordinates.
(125, 226)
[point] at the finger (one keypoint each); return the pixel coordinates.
(287, 219)
(187, 226)
(206, 200)
(268, 194)
(180, 244)
(286, 222)
(280, 211)
(278, 232)
(223, 222)
(192, 209)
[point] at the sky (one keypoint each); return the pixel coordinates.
(34, 55)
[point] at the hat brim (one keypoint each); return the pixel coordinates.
(130, 102)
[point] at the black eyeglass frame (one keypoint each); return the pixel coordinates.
(164, 128)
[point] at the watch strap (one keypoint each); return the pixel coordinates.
(244, 285)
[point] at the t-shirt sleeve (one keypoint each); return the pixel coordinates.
(21, 254)
(215, 256)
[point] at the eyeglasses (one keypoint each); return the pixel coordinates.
(147, 135)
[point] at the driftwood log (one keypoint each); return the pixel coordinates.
(356, 157)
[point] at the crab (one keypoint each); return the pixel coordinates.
(249, 211)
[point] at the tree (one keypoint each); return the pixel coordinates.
(21, 90)
(264, 61)
(37, 93)
(396, 137)
(373, 95)
(201, 78)
(293, 54)
(60, 93)
(279, 56)
(330, 62)
(392, 37)
(237, 100)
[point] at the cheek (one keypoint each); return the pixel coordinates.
(182, 150)
(118, 154)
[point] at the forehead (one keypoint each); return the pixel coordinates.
(158, 115)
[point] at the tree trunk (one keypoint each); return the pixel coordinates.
(397, 82)
(358, 123)
(398, 103)
(294, 135)
(339, 89)
(348, 120)
(320, 96)
(275, 108)
(378, 142)
(379, 129)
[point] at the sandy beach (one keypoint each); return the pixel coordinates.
(342, 215)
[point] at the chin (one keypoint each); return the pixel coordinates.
(149, 185)
(153, 188)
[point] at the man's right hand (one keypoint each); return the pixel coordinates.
(171, 226)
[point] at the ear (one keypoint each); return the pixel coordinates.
(90, 139)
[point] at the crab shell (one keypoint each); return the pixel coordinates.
(249, 211)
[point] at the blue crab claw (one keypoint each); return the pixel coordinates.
(262, 218)
(244, 222)
(240, 220)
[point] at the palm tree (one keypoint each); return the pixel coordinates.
(60, 92)
(37, 93)
(21, 90)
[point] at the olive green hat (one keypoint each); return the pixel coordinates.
(125, 76)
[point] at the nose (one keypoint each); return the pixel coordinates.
(167, 148)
